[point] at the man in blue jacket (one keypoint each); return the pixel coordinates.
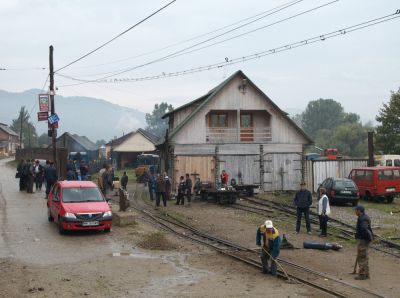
(271, 246)
(303, 201)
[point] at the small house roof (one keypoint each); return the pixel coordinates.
(203, 100)
(81, 140)
(148, 135)
(8, 130)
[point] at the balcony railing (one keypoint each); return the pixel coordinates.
(231, 135)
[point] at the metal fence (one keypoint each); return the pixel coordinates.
(318, 170)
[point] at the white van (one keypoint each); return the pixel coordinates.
(389, 160)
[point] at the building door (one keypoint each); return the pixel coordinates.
(246, 127)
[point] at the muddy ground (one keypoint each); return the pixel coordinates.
(35, 261)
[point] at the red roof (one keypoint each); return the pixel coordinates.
(71, 184)
(377, 168)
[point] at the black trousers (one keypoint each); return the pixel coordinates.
(22, 183)
(189, 196)
(306, 212)
(29, 187)
(180, 199)
(323, 224)
(38, 182)
(160, 195)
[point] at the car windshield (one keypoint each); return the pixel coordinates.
(341, 184)
(78, 194)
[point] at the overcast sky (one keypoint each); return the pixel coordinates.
(359, 69)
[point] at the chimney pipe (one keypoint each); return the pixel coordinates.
(371, 161)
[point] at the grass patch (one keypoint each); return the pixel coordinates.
(382, 206)
(156, 241)
(118, 173)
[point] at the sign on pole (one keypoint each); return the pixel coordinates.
(42, 116)
(44, 103)
(53, 119)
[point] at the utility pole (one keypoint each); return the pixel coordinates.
(20, 130)
(53, 109)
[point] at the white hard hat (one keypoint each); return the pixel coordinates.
(268, 224)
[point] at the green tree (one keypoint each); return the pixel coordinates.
(29, 135)
(351, 139)
(100, 143)
(321, 114)
(44, 140)
(388, 131)
(155, 124)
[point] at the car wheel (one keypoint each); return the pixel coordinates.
(107, 230)
(61, 229)
(390, 199)
(49, 217)
(354, 204)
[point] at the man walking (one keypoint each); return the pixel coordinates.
(31, 176)
(50, 174)
(270, 247)
(303, 201)
(364, 237)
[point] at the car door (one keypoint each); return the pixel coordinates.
(55, 202)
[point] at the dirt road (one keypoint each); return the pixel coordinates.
(35, 261)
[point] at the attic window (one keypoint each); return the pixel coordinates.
(218, 120)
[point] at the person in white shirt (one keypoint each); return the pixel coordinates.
(323, 210)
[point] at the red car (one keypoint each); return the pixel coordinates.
(78, 205)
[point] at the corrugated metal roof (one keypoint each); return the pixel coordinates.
(8, 130)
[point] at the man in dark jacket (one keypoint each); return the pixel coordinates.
(51, 176)
(20, 175)
(303, 201)
(188, 184)
(124, 181)
(160, 191)
(31, 176)
(181, 191)
(364, 237)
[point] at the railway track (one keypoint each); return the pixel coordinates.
(316, 280)
(346, 230)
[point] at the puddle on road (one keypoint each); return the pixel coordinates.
(166, 284)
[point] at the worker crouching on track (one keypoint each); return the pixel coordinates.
(271, 246)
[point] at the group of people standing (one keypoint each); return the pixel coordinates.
(160, 188)
(364, 234)
(31, 172)
(77, 170)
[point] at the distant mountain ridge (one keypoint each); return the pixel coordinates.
(92, 117)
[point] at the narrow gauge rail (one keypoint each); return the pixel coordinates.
(250, 256)
(345, 228)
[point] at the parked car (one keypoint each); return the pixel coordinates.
(78, 205)
(379, 183)
(340, 190)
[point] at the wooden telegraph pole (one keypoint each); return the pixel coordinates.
(53, 109)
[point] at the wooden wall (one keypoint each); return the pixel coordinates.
(194, 132)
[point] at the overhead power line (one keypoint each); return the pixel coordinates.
(290, 46)
(114, 38)
(22, 68)
(190, 49)
(259, 16)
